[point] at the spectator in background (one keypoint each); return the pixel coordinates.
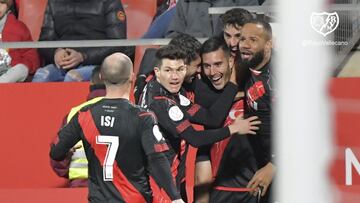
(79, 20)
(161, 23)
(15, 64)
(193, 18)
(74, 167)
(164, 5)
(231, 22)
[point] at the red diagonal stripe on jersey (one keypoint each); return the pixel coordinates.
(218, 148)
(232, 189)
(190, 168)
(190, 96)
(182, 126)
(127, 191)
(147, 114)
(159, 195)
(150, 113)
(174, 167)
(193, 110)
(149, 77)
(161, 147)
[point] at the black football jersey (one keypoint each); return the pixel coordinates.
(259, 98)
(176, 113)
(118, 137)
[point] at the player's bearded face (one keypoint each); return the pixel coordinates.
(171, 74)
(253, 45)
(255, 60)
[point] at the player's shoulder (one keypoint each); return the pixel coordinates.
(144, 113)
(89, 104)
(141, 111)
(83, 107)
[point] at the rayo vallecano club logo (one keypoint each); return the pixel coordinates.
(324, 23)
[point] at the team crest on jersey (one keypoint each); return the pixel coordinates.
(233, 114)
(157, 133)
(175, 113)
(184, 101)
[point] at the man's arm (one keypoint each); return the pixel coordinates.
(154, 145)
(48, 34)
(215, 115)
(61, 168)
(176, 124)
(160, 170)
(262, 179)
(68, 137)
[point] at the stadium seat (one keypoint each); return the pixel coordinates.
(139, 16)
(31, 12)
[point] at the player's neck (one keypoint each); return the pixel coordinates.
(118, 92)
(239, 95)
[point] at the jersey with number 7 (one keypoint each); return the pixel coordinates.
(123, 145)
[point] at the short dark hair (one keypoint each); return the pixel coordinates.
(213, 44)
(236, 17)
(169, 52)
(264, 24)
(189, 44)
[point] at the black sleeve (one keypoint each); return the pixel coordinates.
(140, 83)
(183, 128)
(68, 137)
(200, 138)
(159, 168)
(48, 34)
(216, 114)
(154, 145)
(205, 95)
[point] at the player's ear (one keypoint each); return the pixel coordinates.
(157, 71)
(269, 45)
(132, 77)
